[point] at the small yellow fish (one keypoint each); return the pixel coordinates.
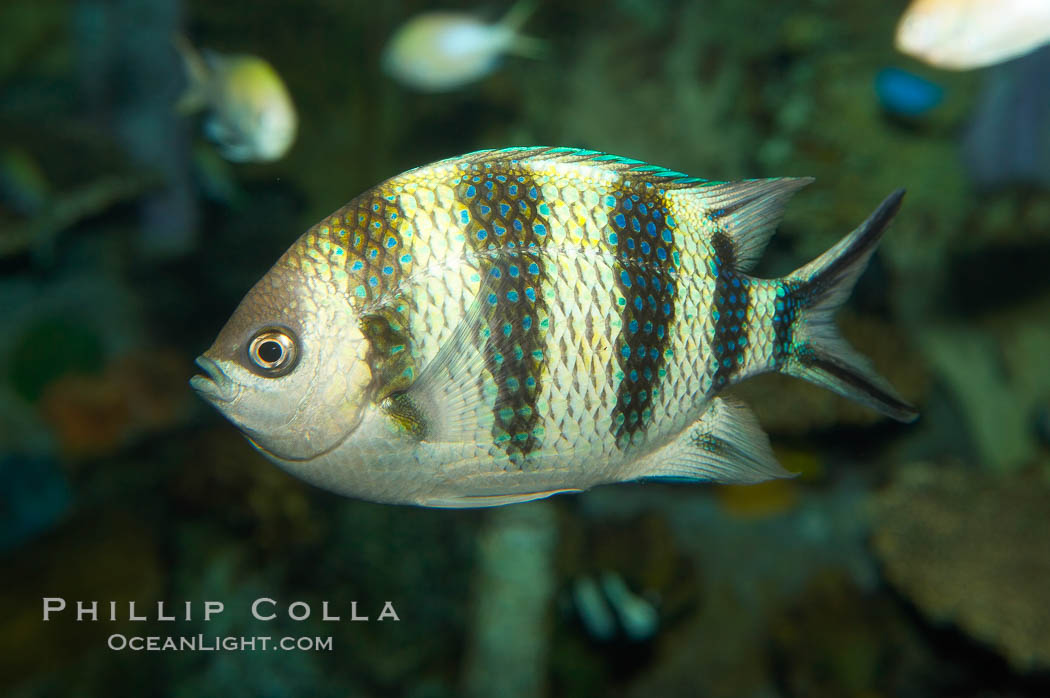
(250, 113)
(440, 51)
(964, 34)
(514, 323)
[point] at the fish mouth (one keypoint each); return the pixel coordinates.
(216, 386)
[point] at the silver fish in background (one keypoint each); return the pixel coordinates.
(250, 115)
(442, 51)
(511, 324)
(966, 34)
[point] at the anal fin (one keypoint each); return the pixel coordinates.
(726, 444)
(488, 500)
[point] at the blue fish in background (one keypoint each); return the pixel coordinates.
(905, 94)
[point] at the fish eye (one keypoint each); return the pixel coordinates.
(273, 352)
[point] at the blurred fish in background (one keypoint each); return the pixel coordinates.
(250, 113)
(126, 83)
(441, 51)
(609, 610)
(965, 34)
(1008, 139)
(905, 94)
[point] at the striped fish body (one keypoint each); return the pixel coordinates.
(539, 320)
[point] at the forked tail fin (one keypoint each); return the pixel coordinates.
(521, 44)
(195, 97)
(817, 351)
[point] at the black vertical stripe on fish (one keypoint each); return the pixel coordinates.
(641, 235)
(729, 312)
(505, 222)
(785, 313)
(389, 354)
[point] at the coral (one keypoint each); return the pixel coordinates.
(998, 374)
(641, 553)
(971, 549)
(49, 348)
(642, 550)
(137, 394)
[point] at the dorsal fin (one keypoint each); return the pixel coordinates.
(748, 211)
(616, 163)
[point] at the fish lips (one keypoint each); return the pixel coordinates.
(216, 386)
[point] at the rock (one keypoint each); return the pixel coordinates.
(971, 549)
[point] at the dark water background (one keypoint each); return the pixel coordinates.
(906, 560)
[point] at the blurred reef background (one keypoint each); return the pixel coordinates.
(906, 560)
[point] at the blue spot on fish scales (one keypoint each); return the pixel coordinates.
(515, 315)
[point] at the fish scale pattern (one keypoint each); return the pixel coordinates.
(366, 240)
(768, 330)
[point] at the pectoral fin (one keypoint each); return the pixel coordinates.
(449, 389)
(725, 445)
(485, 383)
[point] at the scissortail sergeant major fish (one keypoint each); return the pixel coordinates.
(515, 323)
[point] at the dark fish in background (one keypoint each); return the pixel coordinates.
(1008, 140)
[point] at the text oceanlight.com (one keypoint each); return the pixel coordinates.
(214, 643)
